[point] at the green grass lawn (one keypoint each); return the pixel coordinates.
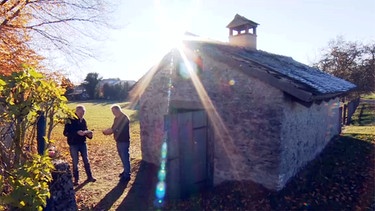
(364, 115)
(369, 96)
(363, 120)
(99, 117)
(98, 114)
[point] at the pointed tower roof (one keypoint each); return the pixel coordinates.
(239, 21)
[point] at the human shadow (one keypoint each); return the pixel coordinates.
(366, 117)
(141, 194)
(80, 186)
(111, 197)
(338, 173)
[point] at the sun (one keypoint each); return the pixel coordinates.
(173, 20)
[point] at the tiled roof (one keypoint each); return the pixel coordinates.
(239, 21)
(300, 80)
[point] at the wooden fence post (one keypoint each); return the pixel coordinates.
(340, 119)
(345, 114)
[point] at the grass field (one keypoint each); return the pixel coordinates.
(369, 96)
(341, 177)
(99, 117)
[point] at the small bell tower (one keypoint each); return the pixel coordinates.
(242, 32)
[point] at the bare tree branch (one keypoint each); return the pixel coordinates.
(61, 25)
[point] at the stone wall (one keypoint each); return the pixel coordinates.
(154, 104)
(61, 189)
(246, 145)
(305, 132)
(251, 112)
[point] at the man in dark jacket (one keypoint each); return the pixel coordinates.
(76, 133)
(121, 134)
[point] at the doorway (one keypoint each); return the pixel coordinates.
(189, 148)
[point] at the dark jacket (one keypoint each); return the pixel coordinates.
(70, 131)
(120, 128)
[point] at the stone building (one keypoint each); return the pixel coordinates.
(214, 111)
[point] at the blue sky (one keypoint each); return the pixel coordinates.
(295, 28)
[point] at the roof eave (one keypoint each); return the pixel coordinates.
(330, 95)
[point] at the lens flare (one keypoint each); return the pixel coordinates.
(160, 190)
(162, 174)
(164, 150)
(162, 164)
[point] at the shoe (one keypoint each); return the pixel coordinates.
(92, 179)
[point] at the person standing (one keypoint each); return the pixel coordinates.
(121, 134)
(76, 133)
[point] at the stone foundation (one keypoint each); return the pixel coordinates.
(61, 189)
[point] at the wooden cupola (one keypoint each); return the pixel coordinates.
(242, 32)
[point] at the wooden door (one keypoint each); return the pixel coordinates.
(191, 132)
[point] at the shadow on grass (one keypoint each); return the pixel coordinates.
(340, 178)
(80, 186)
(365, 114)
(141, 194)
(111, 197)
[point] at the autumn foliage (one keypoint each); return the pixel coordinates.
(32, 28)
(14, 37)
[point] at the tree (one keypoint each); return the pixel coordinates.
(107, 91)
(117, 91)
(22, 95)
(67, 84)
(30, 26)
(367, 79)
(14, 51)
(90, 83)
(351, 61)
(25, 175)
(122, 90)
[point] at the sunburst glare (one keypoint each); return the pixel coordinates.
(189, 71)
(171, 34)
(173, 20)
(215, 119)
